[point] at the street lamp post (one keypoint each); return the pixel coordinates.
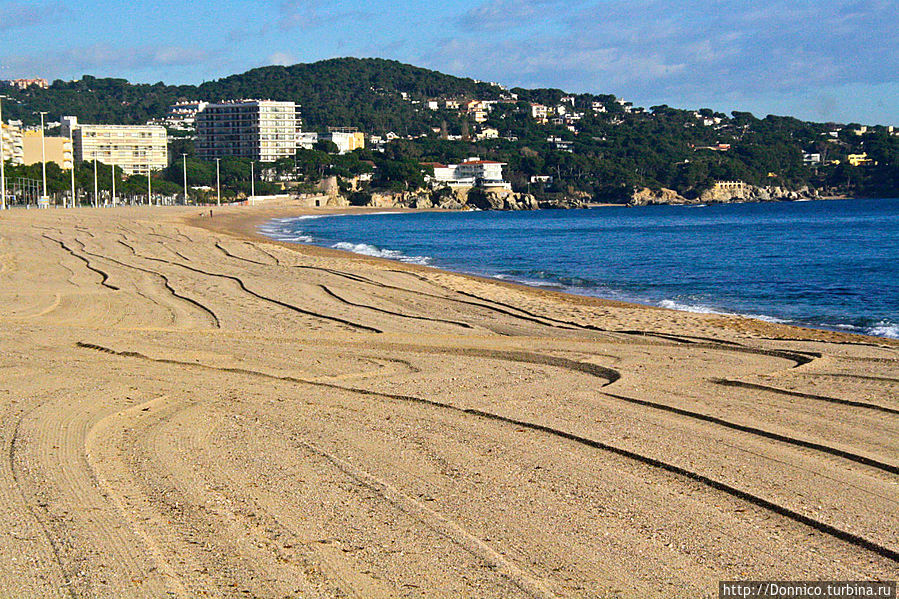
(218, 183)
(184, 156)
(72, 145)
(112, 170)
(96, 191)
(252, 179)
(149, 186)
(44, 161)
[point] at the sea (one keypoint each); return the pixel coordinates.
(825, 264)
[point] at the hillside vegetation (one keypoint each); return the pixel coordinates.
(611, 153)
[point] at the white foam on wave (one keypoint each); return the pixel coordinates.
(370, 250)
(283, 229)
(702, 309)
(295, 238)
(697, 308)
(279, 232)
(884, 329)
(307, 217)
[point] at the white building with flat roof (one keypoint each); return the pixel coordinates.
(539, 111)
(306, 139)
(474, 172)
(136, 149)
(262, 130)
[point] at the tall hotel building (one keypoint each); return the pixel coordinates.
(262, 130)
(136, 149)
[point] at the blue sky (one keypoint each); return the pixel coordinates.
(824, 60)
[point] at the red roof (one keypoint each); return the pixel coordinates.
(472, 162)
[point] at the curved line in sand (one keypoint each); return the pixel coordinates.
(750, 498)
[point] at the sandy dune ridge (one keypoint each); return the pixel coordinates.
(188, 409)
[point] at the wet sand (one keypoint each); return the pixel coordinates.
(189, 409)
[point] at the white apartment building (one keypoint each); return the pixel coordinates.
(136, 149)
(262, 130)
(13, 143)
(471, 173)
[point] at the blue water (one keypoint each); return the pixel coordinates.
(825, 264)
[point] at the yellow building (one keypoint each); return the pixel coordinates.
(56, 149)
(860, 159)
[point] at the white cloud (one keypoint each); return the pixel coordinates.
(110, 59)
(654, 47)
(282, 59)
(14, 15)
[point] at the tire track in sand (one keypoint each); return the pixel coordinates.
(750, 498)
(242, 285)
(165, 281)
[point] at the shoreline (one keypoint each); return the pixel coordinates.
(249, 227)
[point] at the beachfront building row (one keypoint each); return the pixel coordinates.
(24, 147)
(263, 130)
(136, 149)
(474, 172)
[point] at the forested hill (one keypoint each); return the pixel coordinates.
(365, 93)
(596, 145)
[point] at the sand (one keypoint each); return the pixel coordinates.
(188, 409)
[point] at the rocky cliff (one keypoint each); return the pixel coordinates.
(752, 193)
(721, 195)
(468, 199)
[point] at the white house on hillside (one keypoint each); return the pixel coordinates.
(471, 173)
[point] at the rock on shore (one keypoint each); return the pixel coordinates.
(721, 195)
(468, 199)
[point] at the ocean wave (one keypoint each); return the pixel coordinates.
(291, 219)
(282, 233)
(370, 250)
(295, 238)
(884, 329)
(703, 309)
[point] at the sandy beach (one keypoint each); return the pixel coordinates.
(189, 409)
